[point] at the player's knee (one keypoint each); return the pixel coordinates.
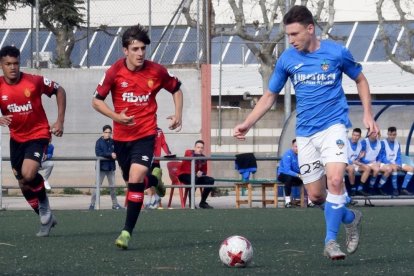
(335, 181)
(317, 199)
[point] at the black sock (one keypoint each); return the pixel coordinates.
(135, 200)
(34, 192)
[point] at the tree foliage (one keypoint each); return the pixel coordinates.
(265, 44)
(406, 38)
(60, 17)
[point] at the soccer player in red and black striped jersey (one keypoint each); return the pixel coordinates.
(22, 111)
(134, 83)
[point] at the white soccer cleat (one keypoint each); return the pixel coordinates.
(333, 252)
(352, 232)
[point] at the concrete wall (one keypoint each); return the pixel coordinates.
(83, 125)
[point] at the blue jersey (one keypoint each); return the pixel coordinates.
(317, 80)
(289, 164)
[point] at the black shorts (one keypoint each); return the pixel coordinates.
(140, 151)
(33, 149)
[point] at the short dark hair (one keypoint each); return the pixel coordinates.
(137, 32)
(199, 141)
(298, 14)
(392, 129)
(105, 127)
(357, 129)
(293, 141)
(10, 51)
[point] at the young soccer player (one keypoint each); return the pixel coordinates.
(394, 160)
(22, 110)
(315, 68)
(134, 83)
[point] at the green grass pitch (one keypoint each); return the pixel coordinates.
(186, 242)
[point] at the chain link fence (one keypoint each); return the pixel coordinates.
(97, 41)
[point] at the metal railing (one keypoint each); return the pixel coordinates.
(192, 186)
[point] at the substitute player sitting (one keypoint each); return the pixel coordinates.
(375, 159)
(393, 158)
(22, 110)
(355, 152)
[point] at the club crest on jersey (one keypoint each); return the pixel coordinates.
(27, 92)
(150, 83)
(340, 143)
(325, 65)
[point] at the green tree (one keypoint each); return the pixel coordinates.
(60, 17)
(265, 44)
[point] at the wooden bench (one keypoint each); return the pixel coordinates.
(263, 184)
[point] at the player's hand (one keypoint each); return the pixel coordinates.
(125, 119)
(113, 155)
(6, 120)
(57, 129)
(240, 131)
(370, 124)
(175, 123)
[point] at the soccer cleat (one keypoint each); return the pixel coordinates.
(204, 205)
(352, 232)
(47, 185)
(382, 192)
(289, 205)
(91, 207)
(406, 192)
(363, 193)
(333, 252)
(45, 228)
(160, 188)
(311, 204)
(117, 207)
(154, 202)
(123, 240)
(44, 211)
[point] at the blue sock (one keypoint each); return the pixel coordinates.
(394, 180)
(372, 182)
(382, 181)
(348, 216)
(407, 179)
(334, 212)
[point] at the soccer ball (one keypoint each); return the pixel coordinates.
(236, 251)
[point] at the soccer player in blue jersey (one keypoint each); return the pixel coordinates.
(315, 67)
(356, 151)
(397, 162)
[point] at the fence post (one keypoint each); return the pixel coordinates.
(192, 192)
(97, 189)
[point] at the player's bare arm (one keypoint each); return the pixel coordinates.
(6, 120)
(365, 96)
(262, 106)
(100, 106)
(176, 120)
(57, 127)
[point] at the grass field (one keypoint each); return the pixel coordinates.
(186, 242)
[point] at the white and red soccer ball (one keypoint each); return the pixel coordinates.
(236, 251)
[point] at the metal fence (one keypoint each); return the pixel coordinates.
(192, 186)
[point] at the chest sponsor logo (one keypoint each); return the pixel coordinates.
(131, 98)
(14, 108)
